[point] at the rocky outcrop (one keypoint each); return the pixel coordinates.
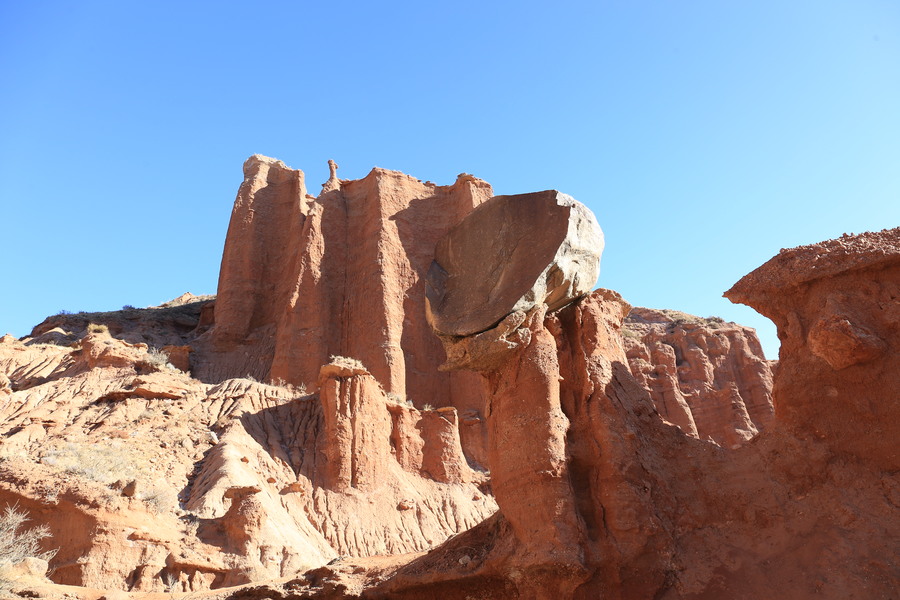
(708, 377)
(837, 308)
(147, 477)
(632, 508)
(304, 279)
(174, 323)
(357, 427)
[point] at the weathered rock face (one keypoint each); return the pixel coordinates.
(510, 254)
(838, 315)
(706, 376)
(343, 274)
(144, 475)
(357, 427)
(638, 510)
(174, 324)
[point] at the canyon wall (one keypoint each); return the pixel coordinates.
(707, 376)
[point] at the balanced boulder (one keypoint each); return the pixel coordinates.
(510, 254)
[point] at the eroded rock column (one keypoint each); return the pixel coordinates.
(357, 427)
(494, 277)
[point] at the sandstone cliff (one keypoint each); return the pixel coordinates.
(707, 376)
(304, 279)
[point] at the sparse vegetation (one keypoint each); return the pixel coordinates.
(170, 581)
(427, 407)
(348, 363)
(396, 398)
(159, 498)
(294, 389)
(680, 318)
(630, 333)
(103, 464)
(18, 543)
(110, 463)
(97, 328)
(158, 358)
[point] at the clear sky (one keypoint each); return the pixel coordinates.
(704, 135)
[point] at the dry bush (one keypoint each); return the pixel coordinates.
(160, 499)
(158, 358)
(18, 543)
(97, 328)
(346, 362)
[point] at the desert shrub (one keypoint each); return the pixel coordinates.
(128, 307)
(428, 407)
(18, 543)
(97, 328)
(715, 322)
(348, 363)
(170, 582)
(158, 358)
(159, 498)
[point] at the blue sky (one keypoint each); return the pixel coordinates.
(704, 135)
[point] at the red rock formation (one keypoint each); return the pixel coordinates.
(632, 508)
(838, 315)
(357, 427)
(706, 376)
(642, 511)
(340, 275)
(143, 473)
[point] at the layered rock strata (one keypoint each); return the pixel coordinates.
(304, 279)
(708, 377)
